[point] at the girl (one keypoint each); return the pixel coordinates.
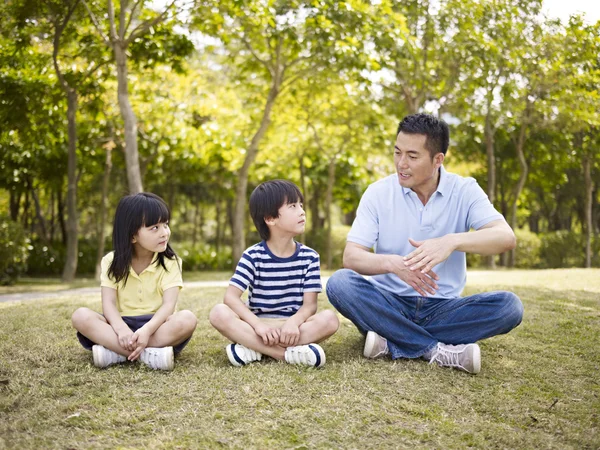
(140, 283)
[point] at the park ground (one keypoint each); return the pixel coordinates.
(539, 386)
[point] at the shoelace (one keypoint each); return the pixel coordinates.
(446, 357)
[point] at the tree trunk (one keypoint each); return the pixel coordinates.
(103, 210)
(328, 214)
(239, 236)
(40, 217)
(491, 171)
(15, 201)
(589, 188)
(519, 186)
(134, 177)
(72, 229)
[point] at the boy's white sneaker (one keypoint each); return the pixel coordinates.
(240, 356)
(465, 357)
(309, 355)
(159, 358)
(375, 346)
(104, 357)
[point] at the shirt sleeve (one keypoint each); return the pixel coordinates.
(312, 281)
(365, 229)
(173, 275)
(105, 281)
(481, 211)
(244, 273)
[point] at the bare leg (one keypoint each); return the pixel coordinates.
(236, 330)
(95, 327)
(177, 328)
(319, 327)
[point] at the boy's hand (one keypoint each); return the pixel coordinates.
(269, 335)
(125, 335)
(139, 341)
(290, 334)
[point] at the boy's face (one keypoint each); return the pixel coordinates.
(291, 220)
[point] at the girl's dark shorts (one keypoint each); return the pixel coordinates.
(135, 323)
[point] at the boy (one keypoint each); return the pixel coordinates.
(283, 278)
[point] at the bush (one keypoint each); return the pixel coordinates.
(318, 239)
(204, 257)
(49, 259)
(567, 249)
(14, 251)
(528, 249)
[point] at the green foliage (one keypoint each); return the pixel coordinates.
(317, 241)
(49, 259)
(566, 249)
(204, 257)
(14, 251)
(528, 249)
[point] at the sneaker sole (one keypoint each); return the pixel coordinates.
(234, 359)
(96, 357)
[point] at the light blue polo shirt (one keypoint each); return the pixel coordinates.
(389, 214)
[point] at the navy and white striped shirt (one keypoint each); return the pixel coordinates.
(277, 285)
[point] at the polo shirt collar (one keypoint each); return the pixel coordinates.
(442, 187)
(150, 268)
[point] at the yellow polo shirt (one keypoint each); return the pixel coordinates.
(143, 293)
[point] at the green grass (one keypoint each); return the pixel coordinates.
(539, 386)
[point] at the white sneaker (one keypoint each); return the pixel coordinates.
(240, 356)
(160, 358)
(465, 357)
(309, 355)
(375, 346)
(104, 357)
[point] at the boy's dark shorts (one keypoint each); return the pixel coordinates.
(135, 323)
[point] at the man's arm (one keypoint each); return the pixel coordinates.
(491, 239)
(361, 260)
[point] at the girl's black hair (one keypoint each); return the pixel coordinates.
(134, 212)
(266, 200)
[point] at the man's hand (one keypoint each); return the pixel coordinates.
(429, 253)
(423, 283)
(140, 341)
(269, 335)
(290, 334)
(124, 335)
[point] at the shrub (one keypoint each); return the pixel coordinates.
(528, 249)
(317, 241)
(14, 251)
(204, 257)
(567, 249)
(49, 259)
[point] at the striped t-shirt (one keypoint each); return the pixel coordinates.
(277, 285)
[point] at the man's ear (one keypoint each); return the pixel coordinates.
(438, 160)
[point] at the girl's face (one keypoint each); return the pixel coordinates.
(153, 238)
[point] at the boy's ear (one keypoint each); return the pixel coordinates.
(270, 220)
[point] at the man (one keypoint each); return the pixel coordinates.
(418, 223)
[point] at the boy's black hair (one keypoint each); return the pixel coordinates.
(436, 131)
(266, 200)
(134, 212)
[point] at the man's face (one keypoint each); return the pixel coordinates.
(414, 166)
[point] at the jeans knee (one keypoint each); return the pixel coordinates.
(337, 284)
(514, 308)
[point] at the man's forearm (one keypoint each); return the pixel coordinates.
(486, 241)
(365, 262)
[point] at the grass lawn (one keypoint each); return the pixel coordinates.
(539, 386)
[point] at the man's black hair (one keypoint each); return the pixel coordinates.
(266, 200)
(436, 131)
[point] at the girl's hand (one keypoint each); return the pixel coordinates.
(269, 335)
(140, 342)
(290, 334)
(125, 336)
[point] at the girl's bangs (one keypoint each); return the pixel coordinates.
(155, 212)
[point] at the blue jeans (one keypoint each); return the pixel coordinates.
(414, 325)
